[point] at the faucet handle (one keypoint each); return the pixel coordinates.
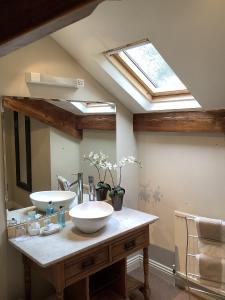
(91, 180)
(91, 188)
(79, 173)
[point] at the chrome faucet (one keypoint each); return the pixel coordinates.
(79, 183)
(65, 185)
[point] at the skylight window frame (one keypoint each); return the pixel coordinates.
(95, 107)
(125, 64)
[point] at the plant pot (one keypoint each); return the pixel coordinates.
(101, 194)
(117, 202)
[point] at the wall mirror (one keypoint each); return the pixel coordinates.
(61, 133)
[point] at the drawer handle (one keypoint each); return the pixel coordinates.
(88, 263)
(130, 245)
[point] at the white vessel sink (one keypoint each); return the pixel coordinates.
(58, 198)
(91, 216)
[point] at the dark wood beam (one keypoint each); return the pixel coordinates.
(99, 122)
(188, 121)
(47, 113)
(59, 118)
(26, 21)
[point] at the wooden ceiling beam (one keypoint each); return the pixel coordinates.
(187, 121)
(47, 113)
(98, 122)
(59, 118)
(25, 21)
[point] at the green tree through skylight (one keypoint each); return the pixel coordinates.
(148, 59)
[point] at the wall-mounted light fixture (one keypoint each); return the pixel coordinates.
(38, 78)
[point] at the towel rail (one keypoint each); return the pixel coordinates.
(189, 255)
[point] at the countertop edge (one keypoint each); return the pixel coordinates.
(46, 265)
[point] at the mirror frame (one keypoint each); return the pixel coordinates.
(28, 184)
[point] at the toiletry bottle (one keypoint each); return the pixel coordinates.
(49, 209)
(12, 222)
(49, 212)
(61, 217)
(33, 225)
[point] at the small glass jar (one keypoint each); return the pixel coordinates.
(20, 231)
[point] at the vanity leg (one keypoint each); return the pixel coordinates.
(59, 280)
(146, 289)
(27, 278)
(59, 295)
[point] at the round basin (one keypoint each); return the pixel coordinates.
(91, 216)
(58, 198)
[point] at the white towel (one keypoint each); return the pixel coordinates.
(211, 268)
(63, 183)
(211, 229)
(211, 248)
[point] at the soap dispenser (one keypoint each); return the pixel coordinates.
(61, 217)
(49, 209)
(49, 212)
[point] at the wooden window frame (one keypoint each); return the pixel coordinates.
(153, 96)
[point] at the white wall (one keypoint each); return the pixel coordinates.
(44, 56)
(40, 165)
(65, 156)
(96, 141)
(189, 35)
(126, 145)
(180, 172)
(40, 155)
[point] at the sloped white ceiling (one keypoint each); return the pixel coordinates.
(190, 34)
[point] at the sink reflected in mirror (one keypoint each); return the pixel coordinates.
(58, 198)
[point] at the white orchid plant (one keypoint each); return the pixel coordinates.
(100, 161)
(117, 189)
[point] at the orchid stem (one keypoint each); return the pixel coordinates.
(105, 175)
(99, 175)
(120, 176)
(111, 178)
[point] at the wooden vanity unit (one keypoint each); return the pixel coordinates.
(82, 266)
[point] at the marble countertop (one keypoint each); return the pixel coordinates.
(47, 250)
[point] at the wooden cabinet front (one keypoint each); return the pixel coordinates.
(130, 243)
(77, 271)
(88, 262)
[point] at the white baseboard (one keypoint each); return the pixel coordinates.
(158, 269)
(134, 262)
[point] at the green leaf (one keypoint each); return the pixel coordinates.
(103, 185)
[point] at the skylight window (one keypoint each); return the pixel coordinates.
(143, 65)
(95, 107)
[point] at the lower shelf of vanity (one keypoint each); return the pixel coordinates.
(133, 284)
(105, 288)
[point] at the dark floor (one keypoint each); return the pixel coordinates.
(160, 290)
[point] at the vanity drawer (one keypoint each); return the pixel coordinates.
(87, 263)
(130, 244)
